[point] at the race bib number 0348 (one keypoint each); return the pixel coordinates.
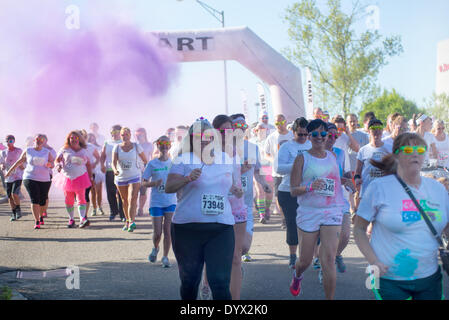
(328, 189)
(212, 204)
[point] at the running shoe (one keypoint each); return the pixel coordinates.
(341, 267)
(316, 264)
(262, 220)
(123, 219)
(165, 262)
(320, 276)
(94, 212)
(13, 217)
(295, 286)
(267, 214)
(283, 225)
(292, 262)
(37, 226)
(125, 227)
(132, 226)
(112, 217)
(153, 255)
(44, 214)
(71, 224)
(18, 214)
(101, 211)
(246, 258)
(41, 221)
(205, 292)
(84, 223)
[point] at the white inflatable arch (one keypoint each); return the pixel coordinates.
(241, 44)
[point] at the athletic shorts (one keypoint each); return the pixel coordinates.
(128, 182)
(311, 222)
(160, 212)
(37, 190)
(430, 288)
(13, 187)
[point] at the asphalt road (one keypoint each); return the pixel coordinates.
(113, 264)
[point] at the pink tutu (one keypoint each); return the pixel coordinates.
(239, 210)
(68, 185)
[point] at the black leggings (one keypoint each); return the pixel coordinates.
(37, 190)
(289, 205)
(197, 243)
(115, 205)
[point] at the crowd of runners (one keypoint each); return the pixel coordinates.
(211, 181)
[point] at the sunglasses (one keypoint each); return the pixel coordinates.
(115, 131)
(204, 137)
(264, 118)
(280, 123)
(376, 128)
(40, 139)
(316, 133)
(302, 134)
(225, 130)
(164, 143)
(10, 141)
(333, 135)
(240, 125)
(411, 149)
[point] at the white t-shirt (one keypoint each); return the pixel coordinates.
(273, 144)
(147, 148)
(128, 163)
(109, 146)
(204, 200)
(90, 149)
(443, 151)
(74, 162)
(8, 158)
(286, 157)
(363, 139)
(400, 237)
(369, 172)
(36, 165)
(157, 170)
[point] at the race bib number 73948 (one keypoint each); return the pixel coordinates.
(212, 204)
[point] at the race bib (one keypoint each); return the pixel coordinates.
(212, 204)
(126, 165)
(77, 160)
(244, 183)
(329, 188)
(161, 188)
(39, 162)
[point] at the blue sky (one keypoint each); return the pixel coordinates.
(421, 24)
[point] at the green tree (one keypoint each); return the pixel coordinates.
(344, 64)
(391, 102)
(438, 107)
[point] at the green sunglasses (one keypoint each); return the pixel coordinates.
(411, 149)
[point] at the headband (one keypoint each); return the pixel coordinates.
(421, 119)
(238, 119)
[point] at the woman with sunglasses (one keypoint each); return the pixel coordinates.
(365, 172)
(8, 157)
(125, 164)
(75, 176)
(36, 177)
(202, 226)
(315, 180)
(227, 131)
(286, 157)
(250, 154)
(162, 205)
(114, 199)
(441, 143)
(402, 250)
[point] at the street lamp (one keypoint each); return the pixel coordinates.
(219, 15)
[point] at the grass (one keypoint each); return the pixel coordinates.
(6, 293)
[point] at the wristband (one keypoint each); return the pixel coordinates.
(309, 187)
